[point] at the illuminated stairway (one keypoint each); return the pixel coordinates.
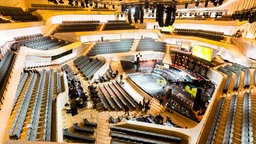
(223, 119)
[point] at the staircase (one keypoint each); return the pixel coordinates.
(101, 27)
(88, 48)
(223, 119)
(103, 131)
(134, 45)
(49, 29)
(156, 107)
(238, 120)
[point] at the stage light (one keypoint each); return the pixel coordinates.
(133, 10)
(182, 73)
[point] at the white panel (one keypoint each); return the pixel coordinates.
(7, 35)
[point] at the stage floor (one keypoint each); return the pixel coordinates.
(151, 83)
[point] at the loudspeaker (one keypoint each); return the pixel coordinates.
(82, 4)
(136, 14)
(129, 16)
(168, 16)
(186, 5)
(206, 3)
(141, 16)
(160, 15)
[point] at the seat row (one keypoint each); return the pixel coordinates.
(118, 27)
(98, 102)
(22, 82)
(88, 66)
(228, 80)
(35, 115)
(230, 123)
(18, 122)
(237, 72)
(215, 122)
(55, 7)
(116, 21)
(33, 106)
(85, 132)
(25, 18)
(31, 37)
(59, 83)
(76, 27)
(80, 22)
(38, 42)
(247, 127)
(245, 14)
(150, 44)
(48, 109)
(5, 69)
(123, 45)
(18, 14)
(79, 137)
(140, 136)
(235, 69)
(68, 70)
(201, 33)
(112, 96)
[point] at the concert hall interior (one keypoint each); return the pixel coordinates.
(128, 71)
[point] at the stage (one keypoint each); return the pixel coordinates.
(151, 83)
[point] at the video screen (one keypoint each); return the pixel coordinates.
(202, 52)
(191, 90)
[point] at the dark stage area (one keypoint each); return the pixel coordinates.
(183, 91)
(151, 83)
